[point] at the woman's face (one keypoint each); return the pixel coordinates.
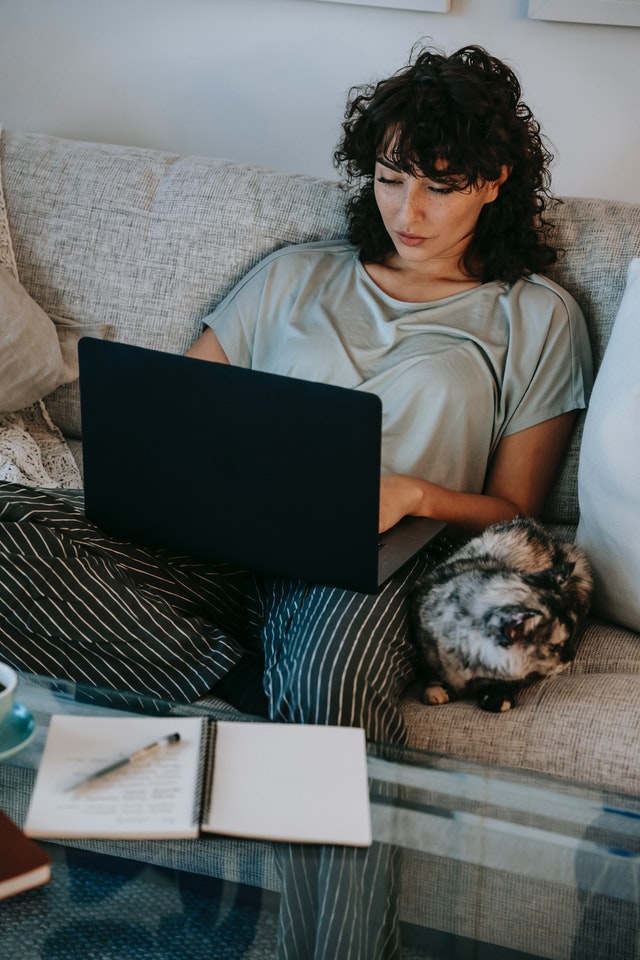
(428, 221)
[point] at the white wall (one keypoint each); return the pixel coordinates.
(266, 80)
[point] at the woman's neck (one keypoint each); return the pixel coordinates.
(419, 284)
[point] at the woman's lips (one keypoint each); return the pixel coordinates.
(410, 239)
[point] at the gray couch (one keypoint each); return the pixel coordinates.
(147, 243)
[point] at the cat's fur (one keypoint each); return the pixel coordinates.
(502, 611)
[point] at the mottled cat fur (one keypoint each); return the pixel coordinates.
(501, 612)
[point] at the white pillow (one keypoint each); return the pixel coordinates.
(609, 468)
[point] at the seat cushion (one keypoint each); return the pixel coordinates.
(582, 725)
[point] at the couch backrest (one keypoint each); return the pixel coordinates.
(144, 241)
(148, 243)
(599, 239)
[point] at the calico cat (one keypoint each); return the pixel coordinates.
(501, 612)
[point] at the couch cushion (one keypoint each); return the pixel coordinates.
(144, 241)
(31, 361)
(609, 471)
(598, 239)
(581, 725)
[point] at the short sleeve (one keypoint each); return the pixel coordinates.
(235, 319)
(549, 366)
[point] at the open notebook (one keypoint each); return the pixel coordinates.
(274, 781)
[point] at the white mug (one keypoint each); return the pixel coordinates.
(8, 684)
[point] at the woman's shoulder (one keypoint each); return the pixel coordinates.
(541, 311)
(311, 250)
(537, 306)
(287, 267)
(536, 290)
(299, 259)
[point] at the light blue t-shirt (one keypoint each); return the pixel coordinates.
(454, 376)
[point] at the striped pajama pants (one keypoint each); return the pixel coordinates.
(77, 604)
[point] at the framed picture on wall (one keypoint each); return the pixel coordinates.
(623, 13)
(435, 6)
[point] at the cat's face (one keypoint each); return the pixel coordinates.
(509, 627)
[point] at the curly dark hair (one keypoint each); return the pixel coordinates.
(464, 109)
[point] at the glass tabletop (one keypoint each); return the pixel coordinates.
(492, 843)
(508, 819)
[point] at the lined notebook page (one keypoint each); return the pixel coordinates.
(151, 798)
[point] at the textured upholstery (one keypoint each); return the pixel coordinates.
(147, 243)
(582, 725)
(599, 239)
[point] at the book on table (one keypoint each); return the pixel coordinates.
(23, 864)
(276, 781)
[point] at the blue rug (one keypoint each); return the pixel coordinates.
(109, 908)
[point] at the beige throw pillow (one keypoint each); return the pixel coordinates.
(609, 470)
(31, 361)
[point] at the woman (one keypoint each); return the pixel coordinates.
(435, 305)
(481, 364)
(453, 179)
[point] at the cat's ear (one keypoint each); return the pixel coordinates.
(562, 571)
(516, 624)
(552, 578)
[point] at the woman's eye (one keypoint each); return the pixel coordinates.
(441, 190)
(388, 181)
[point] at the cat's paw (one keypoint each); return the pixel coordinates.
(434, 694)
(496, 701)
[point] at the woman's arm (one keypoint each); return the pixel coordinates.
(207, 347)
(518, 481)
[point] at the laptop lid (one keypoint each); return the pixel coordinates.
(234, 465)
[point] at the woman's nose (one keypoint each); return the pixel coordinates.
(413, 205)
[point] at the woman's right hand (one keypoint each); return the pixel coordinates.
(400, 496)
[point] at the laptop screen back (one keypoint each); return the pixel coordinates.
(232, 465)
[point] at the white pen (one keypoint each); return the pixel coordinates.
(132, 758)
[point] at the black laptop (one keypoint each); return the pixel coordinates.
(255, 469)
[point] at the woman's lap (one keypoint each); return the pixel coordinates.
(334, 656)
(75, 603)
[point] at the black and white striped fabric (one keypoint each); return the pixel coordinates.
(77, 604)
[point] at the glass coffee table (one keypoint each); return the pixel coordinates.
(496, 864)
